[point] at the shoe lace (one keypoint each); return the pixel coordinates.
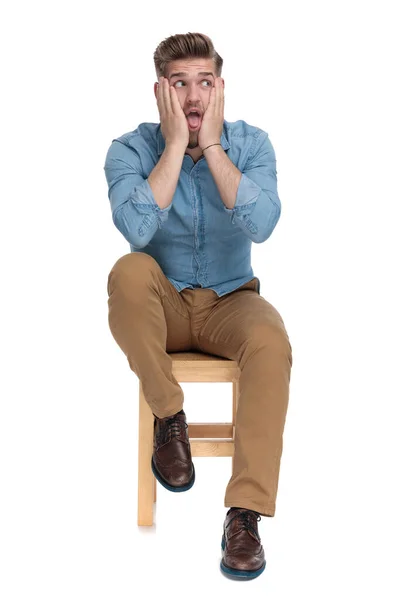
(248, 519)
(171, 427)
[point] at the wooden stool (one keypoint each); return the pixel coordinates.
(206, 439)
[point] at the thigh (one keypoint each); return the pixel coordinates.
(239, 319)
(137, 282)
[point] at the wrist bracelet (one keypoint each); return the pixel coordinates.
(216, 144)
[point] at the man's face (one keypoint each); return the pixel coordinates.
(192, 80)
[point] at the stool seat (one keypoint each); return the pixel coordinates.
(206, 439)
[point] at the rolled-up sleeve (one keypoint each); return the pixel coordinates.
(257, 207)
(134, 209)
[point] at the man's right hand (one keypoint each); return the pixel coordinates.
(173, 121)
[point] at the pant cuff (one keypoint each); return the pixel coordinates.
(265, 511)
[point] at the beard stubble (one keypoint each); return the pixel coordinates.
(193, 140)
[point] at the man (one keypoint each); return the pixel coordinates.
(190, 195)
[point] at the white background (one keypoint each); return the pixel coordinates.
(322, 79)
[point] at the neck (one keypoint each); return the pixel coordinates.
(195, 153)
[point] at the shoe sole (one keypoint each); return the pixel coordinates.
(168, 486)
(239, 573)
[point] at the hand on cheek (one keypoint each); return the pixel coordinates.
(213, 119)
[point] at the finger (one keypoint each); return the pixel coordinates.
(220, 95)
(211, 104)
(217, 96)
(167, 96)
(175, 104)
(160, 98)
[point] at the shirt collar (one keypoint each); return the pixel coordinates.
(161, 142)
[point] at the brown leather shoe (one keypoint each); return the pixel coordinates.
(242, 553)
(171, 462)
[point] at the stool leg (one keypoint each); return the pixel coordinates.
(235, 397)
(146, 485)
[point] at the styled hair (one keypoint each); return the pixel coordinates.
(185, 45)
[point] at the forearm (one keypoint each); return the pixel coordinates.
(225, 174)
(164, 177)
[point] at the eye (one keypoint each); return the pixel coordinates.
(204, 80)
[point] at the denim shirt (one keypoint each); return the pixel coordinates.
(197, 241)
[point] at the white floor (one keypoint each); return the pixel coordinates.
(70, 498)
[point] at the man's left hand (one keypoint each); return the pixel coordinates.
(213, 119)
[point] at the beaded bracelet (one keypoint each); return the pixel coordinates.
(217, 144)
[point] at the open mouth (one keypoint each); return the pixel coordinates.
(194, 119)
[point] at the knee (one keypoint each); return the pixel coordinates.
(131, 268)
(273, 338)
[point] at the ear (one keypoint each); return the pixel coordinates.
(155, 89)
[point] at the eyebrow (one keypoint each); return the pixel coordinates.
(183, 73)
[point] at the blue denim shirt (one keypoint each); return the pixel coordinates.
(196, 240)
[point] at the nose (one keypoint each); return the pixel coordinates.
(192, 92)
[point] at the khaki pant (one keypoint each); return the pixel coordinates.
(148, 317)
